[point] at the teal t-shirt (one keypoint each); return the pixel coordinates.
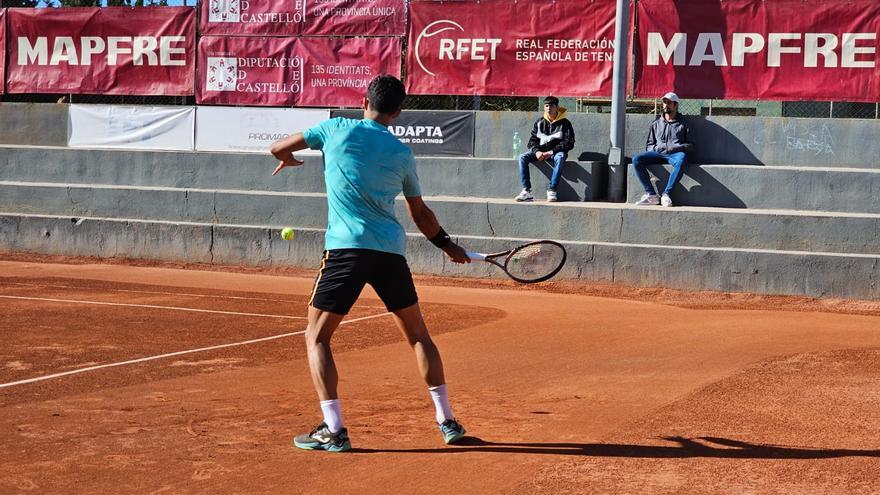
(365, 168)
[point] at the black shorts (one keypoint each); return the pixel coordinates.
(345, 271)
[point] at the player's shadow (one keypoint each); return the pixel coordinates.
(682, 447)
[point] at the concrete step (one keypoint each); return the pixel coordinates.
(499, 178)
(749, 186)
(579, 222)
(757, 140)
(157, 169)
(683, 267)
(491, 178)
(799, 142)
(730, 186)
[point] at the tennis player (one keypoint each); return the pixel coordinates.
(365, 168)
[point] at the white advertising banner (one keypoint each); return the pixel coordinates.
(131, 127)
(251, 130)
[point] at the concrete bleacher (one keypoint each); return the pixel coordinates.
(845, 190)
(800, 220)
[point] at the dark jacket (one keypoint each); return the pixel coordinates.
(669, 137)
(552, 135)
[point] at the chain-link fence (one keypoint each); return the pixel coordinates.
(743, 108)
(472, 102)
(802, 109)
(99, 99)
(708, 108)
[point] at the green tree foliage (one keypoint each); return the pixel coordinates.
(82, 3)
(77, 3)
(136, 3)
(20, 3)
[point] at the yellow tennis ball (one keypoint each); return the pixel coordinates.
(287, 234)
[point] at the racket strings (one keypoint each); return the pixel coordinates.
(535, 261)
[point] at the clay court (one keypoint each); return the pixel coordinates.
(564, 389)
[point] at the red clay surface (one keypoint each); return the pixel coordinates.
(562, 391)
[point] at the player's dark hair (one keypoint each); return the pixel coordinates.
(386, 94)
(552, 100)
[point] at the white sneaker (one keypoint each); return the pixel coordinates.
(665, 200)
(551, 196)
(525, 195)
(648, 200)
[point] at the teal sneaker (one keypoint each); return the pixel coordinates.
(452, 431)
(322, 439)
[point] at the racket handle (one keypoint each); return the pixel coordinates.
(476, 256)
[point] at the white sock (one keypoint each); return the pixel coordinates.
(332, 415)
(441, 403)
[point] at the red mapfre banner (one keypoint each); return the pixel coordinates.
(116, 50)
(2, 50)
(292, 71)
(502, 47)
(304, 17)
(753, 49)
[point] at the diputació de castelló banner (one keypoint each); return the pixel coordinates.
(292, 71)
(303, 17)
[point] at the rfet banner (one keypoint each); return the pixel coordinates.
(503, 47)
(147, 51)
(430, 133)
(304, 17)
(752, 49)
(292, 71)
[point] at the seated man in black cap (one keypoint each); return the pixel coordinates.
(552, 138)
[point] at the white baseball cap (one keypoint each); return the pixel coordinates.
(671, 97)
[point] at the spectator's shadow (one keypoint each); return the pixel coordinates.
(683, 448)
(717, 145)
(714, 145)
(582, 180)
(707, 191)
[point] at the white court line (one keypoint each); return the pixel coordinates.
(189, 294)
(172, 354)
(212, 296)
(173, 308)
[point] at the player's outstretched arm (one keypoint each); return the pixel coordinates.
(283, 150)
(427, 223)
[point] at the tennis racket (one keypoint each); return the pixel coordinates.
(529, 263)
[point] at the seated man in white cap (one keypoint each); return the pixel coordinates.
(667, 143)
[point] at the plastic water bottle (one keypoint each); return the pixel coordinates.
(517, 144)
